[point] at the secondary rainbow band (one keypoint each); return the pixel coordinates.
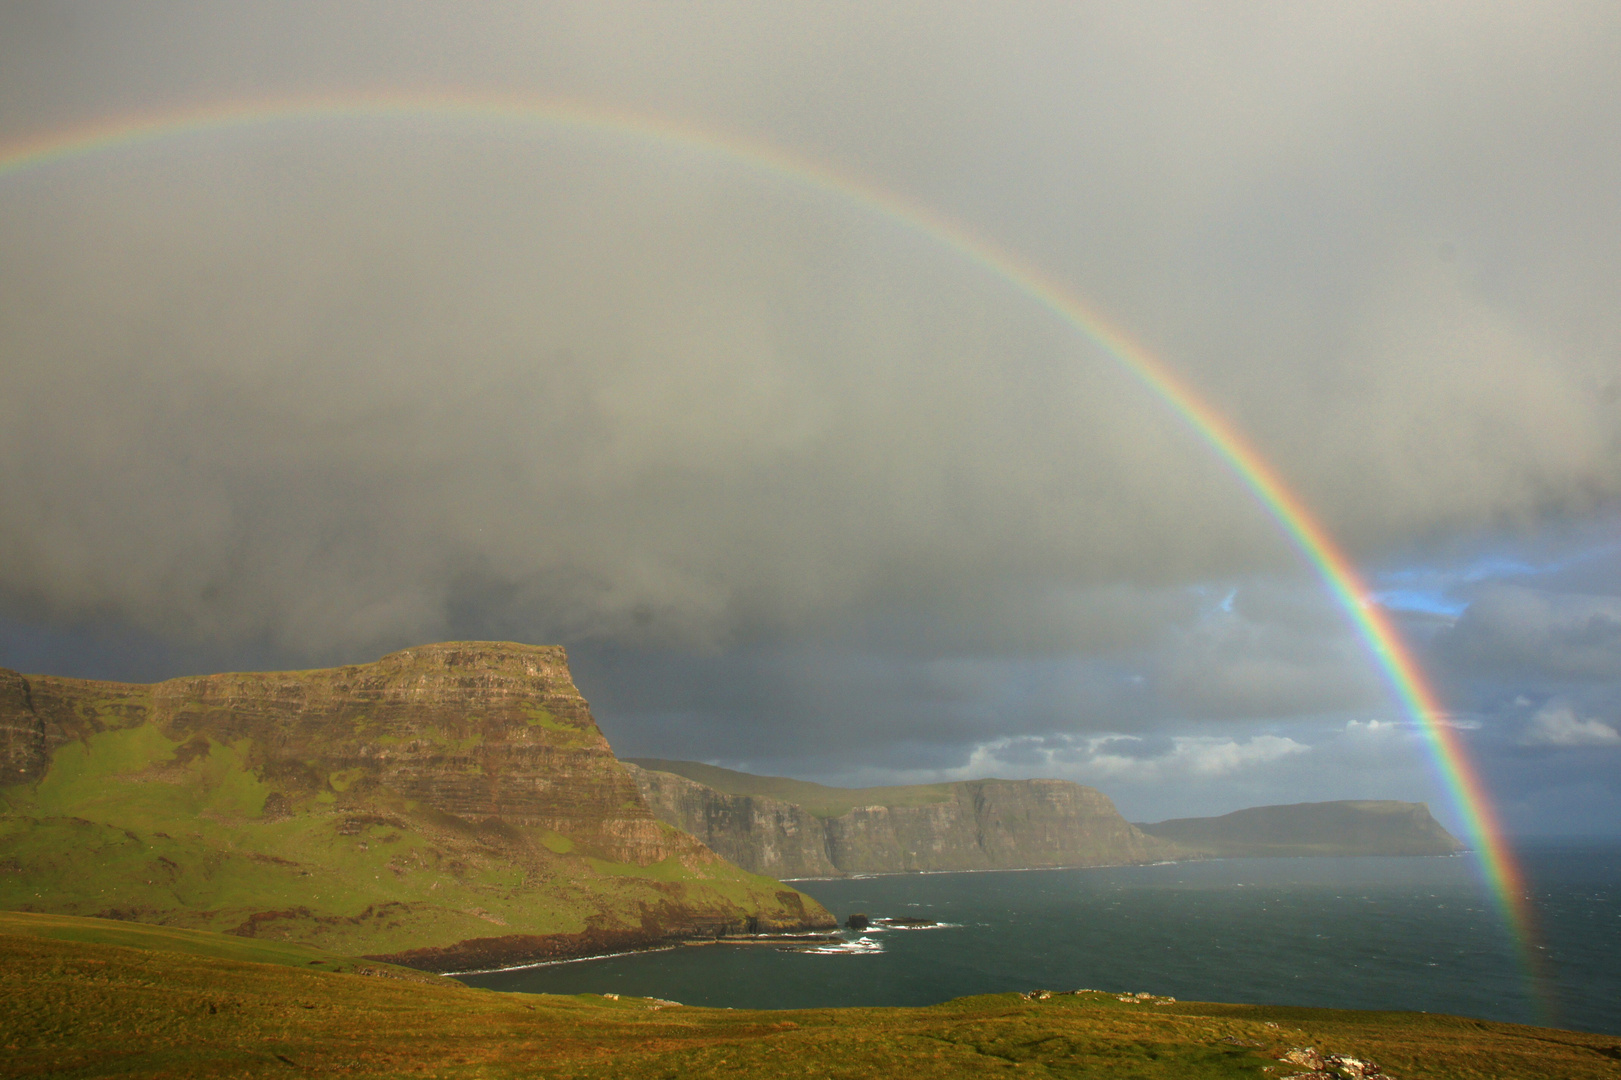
(1406, 681)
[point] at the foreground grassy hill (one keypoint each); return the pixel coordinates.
(171, 939)
(451, 806)
(134, 1007)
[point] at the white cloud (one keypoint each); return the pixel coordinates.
(1215, 756)
(1386, 728)
(1130, 757)
(1556, 724)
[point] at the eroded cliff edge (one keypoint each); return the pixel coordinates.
(450, 806)
(971, 825)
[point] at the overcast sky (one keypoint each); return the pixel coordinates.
(803, 490)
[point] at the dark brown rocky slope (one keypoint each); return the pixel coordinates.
(971, 825)
(454, 805)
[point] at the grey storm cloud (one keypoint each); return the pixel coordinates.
(318, 389)
(1532, 633)
(1267, 651)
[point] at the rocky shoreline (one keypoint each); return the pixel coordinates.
(511, 951)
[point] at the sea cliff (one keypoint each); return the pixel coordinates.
(452, 806)
(971, 825)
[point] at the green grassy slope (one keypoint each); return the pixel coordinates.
(132, 935)
(80, 1009)
(445, 795)
(817, 799)
(125, 824)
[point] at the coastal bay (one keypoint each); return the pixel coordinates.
(1380, 933)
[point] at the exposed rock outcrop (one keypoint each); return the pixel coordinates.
(24, 747)
(443, 795)
(972, 825)
(989, 825)
(761, 834)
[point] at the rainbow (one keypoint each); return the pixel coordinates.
(1396, 663)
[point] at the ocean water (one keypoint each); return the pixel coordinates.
(1362, 933)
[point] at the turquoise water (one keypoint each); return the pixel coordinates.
(1365, 933)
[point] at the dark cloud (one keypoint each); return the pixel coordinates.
(1266, 651)
(1512, 631)
(795, 483)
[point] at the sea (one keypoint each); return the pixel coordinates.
(1409, 933)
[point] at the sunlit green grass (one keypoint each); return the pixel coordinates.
(143, 1003)
(172, 939)
(133, 824)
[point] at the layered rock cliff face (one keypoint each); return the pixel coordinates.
(988, 825)
(1350, 827)
(756, 832)
(974, 825)
(415, 803)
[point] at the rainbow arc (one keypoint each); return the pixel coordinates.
(1394, 660)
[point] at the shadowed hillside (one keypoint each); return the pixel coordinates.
(1361, 827)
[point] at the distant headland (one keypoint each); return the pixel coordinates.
(795, 829)
(1352, 827)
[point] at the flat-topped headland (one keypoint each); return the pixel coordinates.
(451, 806)
(1348, 827)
